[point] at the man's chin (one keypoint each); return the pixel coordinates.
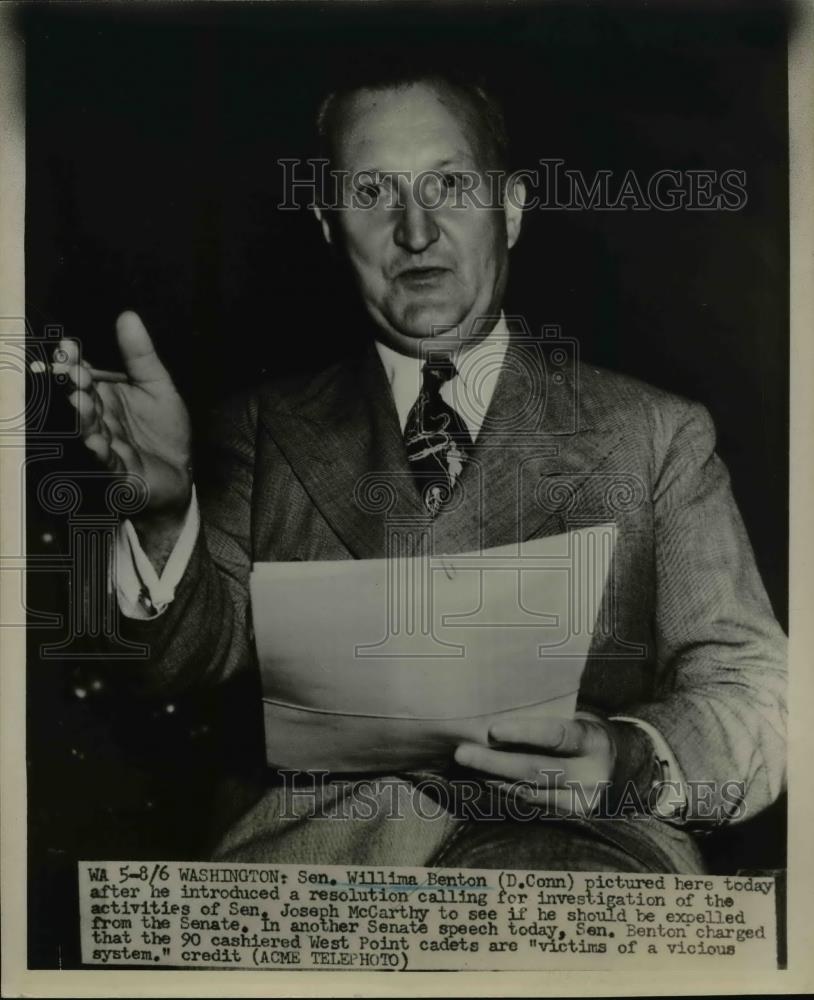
(421, 324)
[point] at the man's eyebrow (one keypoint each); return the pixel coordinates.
(373, 172)
(458, 160)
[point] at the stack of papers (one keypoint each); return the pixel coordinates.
(385, 664)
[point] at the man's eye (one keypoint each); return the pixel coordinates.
(437, 187)
(369, 190)
(450, 182)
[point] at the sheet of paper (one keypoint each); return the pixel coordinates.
(371, 665)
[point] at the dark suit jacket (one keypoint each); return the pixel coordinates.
(313, 468)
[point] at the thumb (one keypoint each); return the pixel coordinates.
(141, 362)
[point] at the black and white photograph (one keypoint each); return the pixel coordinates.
(404, 471)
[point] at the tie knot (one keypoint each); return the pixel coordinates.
(438, 371)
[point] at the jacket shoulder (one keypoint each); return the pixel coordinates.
(611, 389)
(651, 419)
(617, 398)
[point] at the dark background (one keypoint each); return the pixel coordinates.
(152, 139)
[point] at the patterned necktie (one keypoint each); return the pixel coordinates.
(436, 438)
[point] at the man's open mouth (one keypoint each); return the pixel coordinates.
(422, 275)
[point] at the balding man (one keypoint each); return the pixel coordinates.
(687, 692)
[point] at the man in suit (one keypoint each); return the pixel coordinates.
(476, 428)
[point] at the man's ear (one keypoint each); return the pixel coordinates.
(322, 218)
(514, 200)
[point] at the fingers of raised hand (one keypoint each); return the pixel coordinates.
(126, 454)
(68, 364)
(99, 444)
(66, 353)
(114, 452)
(91, 410)
(141, 362)
(99, 428)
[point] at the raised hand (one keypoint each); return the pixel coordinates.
(136, 423)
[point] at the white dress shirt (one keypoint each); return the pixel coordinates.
(469, 393)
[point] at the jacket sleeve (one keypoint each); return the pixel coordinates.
(204, 634)
(721, 697)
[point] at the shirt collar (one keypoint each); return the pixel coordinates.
(470, 392)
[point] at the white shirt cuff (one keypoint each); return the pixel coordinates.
(671, 803)
(141, 592)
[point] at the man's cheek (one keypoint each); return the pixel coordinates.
(375, 288)
(364, 260)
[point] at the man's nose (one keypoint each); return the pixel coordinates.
(416, 228)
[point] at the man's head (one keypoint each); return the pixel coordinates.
(426, 217)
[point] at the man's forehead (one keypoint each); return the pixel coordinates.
(400, 125)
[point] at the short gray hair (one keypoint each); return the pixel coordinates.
(486, 106)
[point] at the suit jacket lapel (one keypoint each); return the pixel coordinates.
(541, 441)
(340, 434)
